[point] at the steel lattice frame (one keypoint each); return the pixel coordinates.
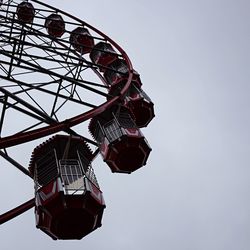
(35, 67)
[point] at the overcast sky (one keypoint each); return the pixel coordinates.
(193, 57)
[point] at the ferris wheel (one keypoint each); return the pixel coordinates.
(57, 73)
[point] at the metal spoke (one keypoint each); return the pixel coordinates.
(15, 163)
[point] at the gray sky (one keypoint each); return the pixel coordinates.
(193, 57)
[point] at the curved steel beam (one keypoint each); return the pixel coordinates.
(54, 128)
(17, 211)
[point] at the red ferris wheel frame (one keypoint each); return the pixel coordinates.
(17, 139)
(48, 130)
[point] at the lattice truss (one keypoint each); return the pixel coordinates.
(40, 75)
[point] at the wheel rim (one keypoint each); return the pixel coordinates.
(25, 48)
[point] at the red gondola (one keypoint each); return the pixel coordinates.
(137, 101)
(25, 12)
(103, 54)
(141, 106)
(69, 202)
(122, 145)
(81, 40)
(116, 72)
(55, 25)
